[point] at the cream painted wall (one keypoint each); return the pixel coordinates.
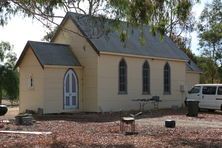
(110, 100)
(98, 79)
(47, 92)
(88, 58)
(30, 98)
(53, 89)
(191, 79)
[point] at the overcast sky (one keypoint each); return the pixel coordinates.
(19, 30)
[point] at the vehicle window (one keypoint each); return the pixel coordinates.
(209, 90)
(194, 90)
(219, 91)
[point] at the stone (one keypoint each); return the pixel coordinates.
(24, 119)
(27, 120)
(1, 125)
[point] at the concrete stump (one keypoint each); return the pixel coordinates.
(170, 123)
(25, 119)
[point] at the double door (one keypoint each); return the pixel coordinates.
(70, 90)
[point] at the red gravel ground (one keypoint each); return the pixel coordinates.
(102, 130)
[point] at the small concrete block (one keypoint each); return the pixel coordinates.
(27, 120)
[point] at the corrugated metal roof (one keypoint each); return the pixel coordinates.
(153, 45)
(54, 54)
(191, 66)
(51, 54)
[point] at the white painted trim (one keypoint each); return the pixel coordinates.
(140, 56)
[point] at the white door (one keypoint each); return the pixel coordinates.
(194, 94)
(218, 102)
(208, 97)
(70, 90)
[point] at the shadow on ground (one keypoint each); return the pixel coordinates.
(107, 117)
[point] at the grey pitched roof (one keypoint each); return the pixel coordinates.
(191, 66)
(153, 45)
(51, 54)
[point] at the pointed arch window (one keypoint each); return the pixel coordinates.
(167, 79)
(70, 90)
(146, 78)
(30, 82)
(122, 77)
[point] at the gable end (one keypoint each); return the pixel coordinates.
(82, 32)
(23, 54)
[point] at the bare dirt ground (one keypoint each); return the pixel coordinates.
(102, 130)
(204, 120)
(12, 110)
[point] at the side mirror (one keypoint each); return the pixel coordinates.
(189, 92)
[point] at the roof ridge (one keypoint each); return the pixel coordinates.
(98, 17)
(42, 42)
(166, 47)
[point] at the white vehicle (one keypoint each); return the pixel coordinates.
(208, 95)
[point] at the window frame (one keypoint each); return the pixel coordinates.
(167, 89)
(218, 90)
(204, 93)
(30, 82)
(195, 87)
(124, 83)
(146, 67)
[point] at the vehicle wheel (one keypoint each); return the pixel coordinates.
(3, 110)
(185, 102)
(211, 110)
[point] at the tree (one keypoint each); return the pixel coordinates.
(164, 16)
(8, 76)
(209, 69)
(6, 11)
(49, 35)
(184, 44)
(11, 87)
(45, 11)
(210, 33)
(220, 73)
(210, 30)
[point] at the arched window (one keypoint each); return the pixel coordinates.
(122, 77)
(146, 78)
(166, 75)
(30, 81)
